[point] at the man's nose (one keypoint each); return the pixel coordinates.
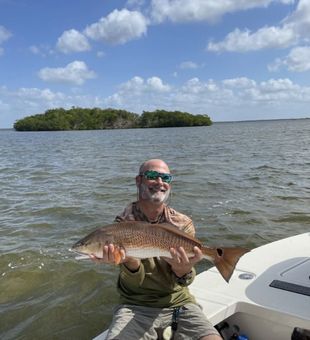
(159, 179)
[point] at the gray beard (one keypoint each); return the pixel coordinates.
(156, 197)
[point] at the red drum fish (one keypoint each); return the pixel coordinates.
(144, 240)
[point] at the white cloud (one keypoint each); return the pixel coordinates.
(237, 96)
(293, 30)
(135, 84)
(118, 27)
(35, 94)
(76, 73)
(241, 82)
(266, 37)
(278, 93)
(188, 65)
(72, 41)
(42, 50)
(4, 36)
(299, 20)
(100, 54)
(34, 49)
(195, 86)
(140, 86)
(156, 84)
(202, 10)
(298, 60)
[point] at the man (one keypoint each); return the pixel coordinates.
(153, 292)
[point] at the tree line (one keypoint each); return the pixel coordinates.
(98, 119)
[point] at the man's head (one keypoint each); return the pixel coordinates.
(153, 181)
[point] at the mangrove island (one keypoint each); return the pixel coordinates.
(98, 119)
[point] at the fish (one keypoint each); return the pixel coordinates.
(145, 240)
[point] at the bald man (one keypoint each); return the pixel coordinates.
(155, 302)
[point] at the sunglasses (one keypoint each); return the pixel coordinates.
(153, 175)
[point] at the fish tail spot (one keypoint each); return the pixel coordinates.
(219, 252)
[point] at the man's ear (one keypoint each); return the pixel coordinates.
(138, 180)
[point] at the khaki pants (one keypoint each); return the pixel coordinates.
(138, 322)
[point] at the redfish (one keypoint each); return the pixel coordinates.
(144, 240)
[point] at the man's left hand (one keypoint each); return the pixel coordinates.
(180, 263)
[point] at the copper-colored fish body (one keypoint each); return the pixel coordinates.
(145, 240)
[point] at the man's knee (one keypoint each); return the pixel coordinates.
(211, 337)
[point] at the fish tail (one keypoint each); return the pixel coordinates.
(225, 260)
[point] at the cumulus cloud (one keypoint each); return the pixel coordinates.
(36, 94)
(298, 60)
(266, 37)
(241, 82)
(223, 97)
(75, 73)
(139, 86)
(156, 84)
(118, 27)
(293, 30)
(4, 36)
(202, 10)
(72, 41)
(299, 20)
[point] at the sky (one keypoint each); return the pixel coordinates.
(231, 59)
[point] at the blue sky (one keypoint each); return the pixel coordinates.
(233, 59)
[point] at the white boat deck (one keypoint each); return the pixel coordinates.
(286, 260)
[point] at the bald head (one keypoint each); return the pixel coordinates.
(154, 164)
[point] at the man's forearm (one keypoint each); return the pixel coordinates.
(132, 264)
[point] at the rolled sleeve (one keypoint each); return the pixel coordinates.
(132, 278)
(188, 280)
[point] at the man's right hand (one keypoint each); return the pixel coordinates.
(116, 255)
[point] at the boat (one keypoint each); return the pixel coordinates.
(267, 298)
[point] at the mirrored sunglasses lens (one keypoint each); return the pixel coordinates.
(151, 175)
(166, 178)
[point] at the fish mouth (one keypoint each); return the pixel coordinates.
(82, 257)
(72, 250)
(79, 255)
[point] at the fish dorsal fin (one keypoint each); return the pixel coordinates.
(174, 229)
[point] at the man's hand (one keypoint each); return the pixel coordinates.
(115, 255)
(180, 263)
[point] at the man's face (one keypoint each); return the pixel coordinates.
(154, 190)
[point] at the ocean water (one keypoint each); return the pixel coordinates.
(243, 184)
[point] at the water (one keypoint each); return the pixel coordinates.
(244, 184)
